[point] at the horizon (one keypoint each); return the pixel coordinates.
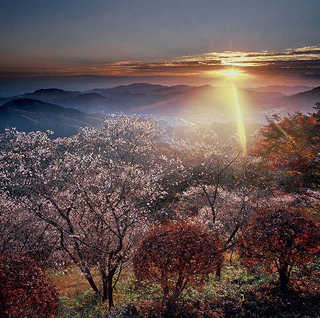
(272, 50)
(18, 86)
(180, 42)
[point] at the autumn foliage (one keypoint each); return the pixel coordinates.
(176, 255)
(291, 145)
(25, 290)
(280, 239)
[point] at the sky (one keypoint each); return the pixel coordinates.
(271, 40)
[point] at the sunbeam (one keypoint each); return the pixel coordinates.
(240, 124)
(233, 74)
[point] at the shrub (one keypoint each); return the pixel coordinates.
(279, 240)
(25, 290)
(176, 255)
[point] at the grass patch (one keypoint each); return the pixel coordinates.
(237, 289)
(82, 305)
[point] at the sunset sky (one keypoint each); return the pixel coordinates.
(268, 40)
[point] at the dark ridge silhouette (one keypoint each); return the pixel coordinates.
(29, 115)
(44, 91)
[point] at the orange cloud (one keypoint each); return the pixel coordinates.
(303, 60)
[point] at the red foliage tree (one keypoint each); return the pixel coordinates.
(25, 290)
(176, 255)
(280, 240)
(291, 145)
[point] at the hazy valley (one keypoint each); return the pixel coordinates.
(64, 111)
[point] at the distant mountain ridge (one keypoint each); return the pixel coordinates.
(179, 100)
(28, 115)
(144, 97)
(312, 96)
(282, 89)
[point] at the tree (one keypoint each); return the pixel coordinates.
(217, 180)
(280, 239)
(92, 189)
(291, 146)
(22, 233)
(25, 289)
(176, 255)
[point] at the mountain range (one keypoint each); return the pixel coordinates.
(64, 111)
(29, 115)
(305, 99)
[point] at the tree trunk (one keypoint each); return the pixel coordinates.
(107, 292)
(110, 290)
(107, 285)
(104, 295)
(178, 288)
(218, 272)
(86, 272)
(284, 277)
(165, 291)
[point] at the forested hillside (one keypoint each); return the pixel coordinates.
(135, 219)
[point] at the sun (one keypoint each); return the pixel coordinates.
(232, 73)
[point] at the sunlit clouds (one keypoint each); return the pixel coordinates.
(301, 61)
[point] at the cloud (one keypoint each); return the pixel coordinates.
(301, 61)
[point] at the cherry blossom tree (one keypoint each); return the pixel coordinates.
(22, 233)
(92, 189)
(219, 188)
